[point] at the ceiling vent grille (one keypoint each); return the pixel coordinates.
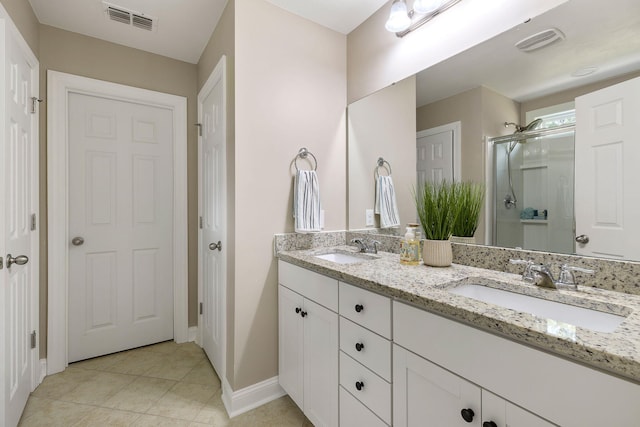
(129, 17)
(540, 40)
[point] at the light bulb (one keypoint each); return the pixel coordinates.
(426, 6)
(398, 18)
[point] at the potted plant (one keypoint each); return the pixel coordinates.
(437, 209)
(469, 198)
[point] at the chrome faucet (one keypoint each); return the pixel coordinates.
(543, 277)
(364, 246)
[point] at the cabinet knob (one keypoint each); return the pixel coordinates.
(298, 310)
(489, 424)
(359, 308)
(359, 346)
(359, 385)
(467, 414)
(303, 313)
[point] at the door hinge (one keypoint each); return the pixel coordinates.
(33, 222)
(1, 263)
(34, 99)
(200, 308)
(200, 223)
(199, 128)
(33, 339)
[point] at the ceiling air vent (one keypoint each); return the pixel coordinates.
(540, 40)
(129, 17)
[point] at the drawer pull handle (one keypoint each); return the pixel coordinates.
(303, 314)
(489, 424)
(467, 414)
(359, 308)
(359, 385)
(298, 310)
(359, 346)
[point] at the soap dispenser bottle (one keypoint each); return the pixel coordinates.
(410, 247)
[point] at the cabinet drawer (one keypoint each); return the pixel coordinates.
(374, 393)
(366, 308)
(354, 413)
(375, 351)
(309, 284)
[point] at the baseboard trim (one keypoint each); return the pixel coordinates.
(248, 398)
(43, 370)
(192, 333)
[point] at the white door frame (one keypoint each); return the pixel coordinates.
(59, 87)
(218, 74)
(456, 128)
(34, 260)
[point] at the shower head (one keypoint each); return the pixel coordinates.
(519, 128)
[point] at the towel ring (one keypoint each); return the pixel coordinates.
(381, 164)
(302, 154)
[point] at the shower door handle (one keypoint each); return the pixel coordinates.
(582, 239)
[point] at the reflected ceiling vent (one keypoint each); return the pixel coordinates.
(540, 40)
(129, 17)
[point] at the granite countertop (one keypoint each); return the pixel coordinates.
(617, 352)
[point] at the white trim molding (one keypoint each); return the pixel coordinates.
(59, 87)
(456, 127)
(241, 401)
(193, 335)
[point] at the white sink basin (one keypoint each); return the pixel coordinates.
(565, 313)
(343, 258)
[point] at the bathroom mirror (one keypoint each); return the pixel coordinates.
(492, 83)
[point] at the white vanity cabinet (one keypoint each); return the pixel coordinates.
(443, 365)
(308, 342)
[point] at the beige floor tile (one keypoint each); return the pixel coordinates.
(172, 366)
(156, 421)
(56, 413)
(202, 373)
(279, 413)
(184, 401)
(98, 389)
(136, 363)
(35, 405)
(163, 347)
(101, 363)
(214, 412)
(60, 384)
(107, 417)
(140, 395)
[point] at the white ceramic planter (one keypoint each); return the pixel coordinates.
(467, 240)
(437, 253)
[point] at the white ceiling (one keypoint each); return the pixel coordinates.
(185, 26)
(599, 35)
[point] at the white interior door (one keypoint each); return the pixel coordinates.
(18, 241)
(607, 206)
(120, 225)
(213, 210)
(435, 157)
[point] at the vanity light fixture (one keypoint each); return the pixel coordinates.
(402, 21)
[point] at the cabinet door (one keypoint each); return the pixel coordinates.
(424, 394)
(320, 365)
(290, 335)
(505, 414)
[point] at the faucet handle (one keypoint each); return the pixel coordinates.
(527, 274)
(361, 245)
(375, 244)
(566, 274)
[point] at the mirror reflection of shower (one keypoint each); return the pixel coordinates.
(534, 169)
(510, 200)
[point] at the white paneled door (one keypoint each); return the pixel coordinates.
(18, 237)
(213, 220)
(607, 206)
(435, 157)
(120, 225)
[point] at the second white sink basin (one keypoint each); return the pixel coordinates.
(578, 316)
(343, 258)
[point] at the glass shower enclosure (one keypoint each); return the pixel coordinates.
(533, 187)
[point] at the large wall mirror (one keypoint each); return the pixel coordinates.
(469, 98)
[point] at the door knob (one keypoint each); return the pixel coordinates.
(20, 260)
(583, 239)
(77, 241)
(214, 246)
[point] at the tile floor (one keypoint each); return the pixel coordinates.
(165, 384)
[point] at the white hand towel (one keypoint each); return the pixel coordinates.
(306, 202)
(386, 205)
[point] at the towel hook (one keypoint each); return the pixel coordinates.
(302, 154)
(381, 164)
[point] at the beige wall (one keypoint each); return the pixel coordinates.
(382, 125)
(22, 15)
(290, 93)
(378, 58)
(222, 42)
(86, 56)
(482, 112)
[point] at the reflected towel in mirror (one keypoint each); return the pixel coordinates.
(386, 205)
(306, 202)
